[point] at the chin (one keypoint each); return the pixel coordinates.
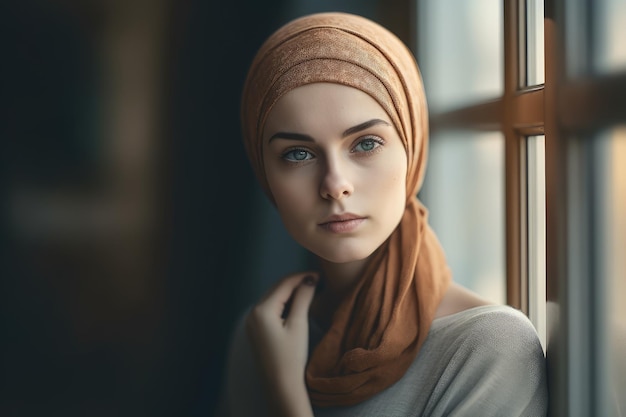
(344, 255)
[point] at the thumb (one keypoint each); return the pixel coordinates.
(302, 297)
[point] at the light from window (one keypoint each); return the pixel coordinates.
(534, 43)
(610, 35)
(537, 234)
(464, 192)
(460, 51)
(610, 277)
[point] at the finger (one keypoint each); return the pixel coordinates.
(280, 296)
(302, 298)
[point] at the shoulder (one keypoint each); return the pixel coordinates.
(465, 315)
(495, 332)
(495, 364)
(241, 379)
(492, 321)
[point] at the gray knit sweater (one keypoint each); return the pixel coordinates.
(485, 361)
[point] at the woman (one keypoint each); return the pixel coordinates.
(335, 125)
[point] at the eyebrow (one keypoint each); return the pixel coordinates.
(350, 131)
(363, 126)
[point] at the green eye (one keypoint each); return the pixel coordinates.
(366, 145)
(297, 155)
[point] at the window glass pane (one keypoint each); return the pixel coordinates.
(610, 277)
(534, 43)
(576, 38)
(610, 35)
(537, 234)
(460, 51)
(577, 288)
(596, 278)
(464, 192)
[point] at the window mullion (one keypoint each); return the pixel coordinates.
(484, 116)
(528, 110)
(517, 289)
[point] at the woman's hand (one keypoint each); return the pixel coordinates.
(279, 331)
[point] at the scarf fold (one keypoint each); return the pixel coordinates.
(379, 327)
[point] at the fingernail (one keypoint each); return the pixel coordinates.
(309, 280)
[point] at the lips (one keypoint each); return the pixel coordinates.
(342, 223)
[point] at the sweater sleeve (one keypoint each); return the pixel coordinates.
(242, 392)
(496, 367)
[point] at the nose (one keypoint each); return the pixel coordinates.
(335, 184)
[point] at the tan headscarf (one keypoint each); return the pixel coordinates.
(379, 327)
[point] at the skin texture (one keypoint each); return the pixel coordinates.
(281, 343)
(362, 173)
(328, 150)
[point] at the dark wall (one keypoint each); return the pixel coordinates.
(109, 321)
(212, 192)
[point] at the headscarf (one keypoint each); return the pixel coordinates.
(378, 328)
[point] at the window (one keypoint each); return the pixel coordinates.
(482, 64)
(461, 60)
(585, 156)
(562, 135)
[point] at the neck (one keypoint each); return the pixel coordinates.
(340, 278)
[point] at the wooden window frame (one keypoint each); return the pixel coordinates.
(567, 109)
(583, 105)
(519, 113)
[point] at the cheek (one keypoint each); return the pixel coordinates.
(391, 190)
(399, 173)
(397, 187)
(398, 177)
(390, 180)
(292, 194)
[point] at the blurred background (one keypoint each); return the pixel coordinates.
(133, 234)
(133, 230)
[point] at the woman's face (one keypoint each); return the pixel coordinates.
(337, 170)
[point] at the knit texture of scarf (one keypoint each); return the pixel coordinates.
(379, 327)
